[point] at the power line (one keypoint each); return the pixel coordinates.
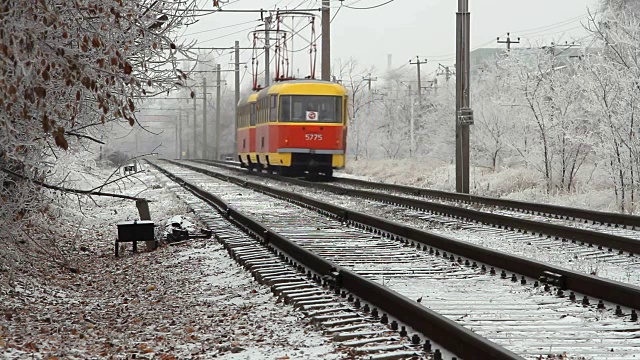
(554, 25)
(523, 34)
(220, 28)
(368, 7)
(223, 36)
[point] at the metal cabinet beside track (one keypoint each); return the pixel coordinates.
(134, 231)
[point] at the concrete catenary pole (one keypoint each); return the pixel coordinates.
(267, 27)
(237, 99)
(412, 143)
(187, 148)
(216, 153)
(326, 41)
(205, 148)
(180, 136)
(176, 126)
(462, 96)
(195, 132)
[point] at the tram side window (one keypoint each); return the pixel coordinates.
(252, 116)
(273, 113)
(265, 110)
(285, 108)
(260, 111)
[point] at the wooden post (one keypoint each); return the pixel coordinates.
(145, 214)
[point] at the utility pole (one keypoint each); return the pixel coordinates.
(187, 149)
(195, 133)
(326, 40)
(369, 80)
(447, 72)
(180, 136)
(292, 47)
(237, 98)
(418, 62)
(216, 153)
(267, 26)
(552, 48)
(464, 114)
(205, 149)
(412, 143)
(176, 124)
(508, 42)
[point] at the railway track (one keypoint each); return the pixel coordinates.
(344, 318)
(540, 242)
(621, 225)
(513, 310)
(371, 333)
(606, 222)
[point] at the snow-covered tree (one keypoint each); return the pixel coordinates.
(67, 69)
(352, 76)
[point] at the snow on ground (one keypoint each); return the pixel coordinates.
(513, 183)
(184, 301)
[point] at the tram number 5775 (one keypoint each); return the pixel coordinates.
(313, 137)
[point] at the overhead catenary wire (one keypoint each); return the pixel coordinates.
(220, 28)
(368, 7)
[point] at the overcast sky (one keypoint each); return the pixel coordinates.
(403, 28)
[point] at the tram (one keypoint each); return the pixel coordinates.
(294, 127)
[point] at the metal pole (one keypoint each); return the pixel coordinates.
(205, 149)
(419, 80)
(180, 136)
(195, 133)
(292, 51)
(187, 147)
(412, 143)
(267, 75)
(218, 87)
(418, 63)
(326, 40)
(462, 95)
(237, 98)
(177, 146)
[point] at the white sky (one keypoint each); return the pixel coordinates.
(403, 28)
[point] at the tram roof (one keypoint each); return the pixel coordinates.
(248, 99)
(304, 86)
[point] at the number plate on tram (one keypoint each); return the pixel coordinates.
(313, 137)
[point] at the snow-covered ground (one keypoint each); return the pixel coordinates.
(593, 192)
(184, 301)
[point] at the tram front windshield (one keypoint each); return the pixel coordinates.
(311, 108)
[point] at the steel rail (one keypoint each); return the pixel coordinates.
(559, 231)
(600, 288)
(601, 217)
(444, 331)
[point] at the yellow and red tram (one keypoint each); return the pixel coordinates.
(246, 131)
(300, 126)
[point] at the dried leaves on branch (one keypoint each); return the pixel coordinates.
(66, 68)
